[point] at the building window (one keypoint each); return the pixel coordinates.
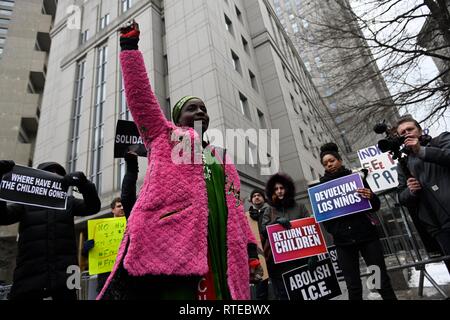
(286, 74)
(84, 37)
(7, 3)
(305, 144)
(2, 40)
(124, 114)
(104, 21)
(245, 45)
(238, 13)
(4, 21)
(229, 25)
(76, 116)
(243, 102)
(3, 31)
(253, 80)
(313, 173)
(236, 62)
(262, 120)
(126, 4)
(100, 98)
(5, 12)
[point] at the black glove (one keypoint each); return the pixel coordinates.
(254, 214)
(284, 222)
(312, 263)
(76, 179)
(87, 246)
(6, 166)
(129, 36)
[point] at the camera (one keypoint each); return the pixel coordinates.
(392, 143)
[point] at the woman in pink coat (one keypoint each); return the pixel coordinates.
(187, 236)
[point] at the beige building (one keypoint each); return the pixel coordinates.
(345, 78)
(24, 47)
(234, 54)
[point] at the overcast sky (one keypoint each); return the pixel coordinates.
(427, 69)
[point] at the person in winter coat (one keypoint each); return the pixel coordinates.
(280, 192)
(47, 243)
(187, 236)
(356, 233)
(256, 213)
(428, 187)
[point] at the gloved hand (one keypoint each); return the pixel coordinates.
(256, 270)
(254, 214)
(87, 246)
(6, 166)
(284, 222)
(129, 36)
(76, 179)
(312, 263)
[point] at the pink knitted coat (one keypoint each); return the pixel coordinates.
(167, 228)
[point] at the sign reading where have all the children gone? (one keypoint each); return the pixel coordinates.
(381, 166)
(34, 187)
(303, 239)
(107, 234)
(338, 198)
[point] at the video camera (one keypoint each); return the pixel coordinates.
(392, 143)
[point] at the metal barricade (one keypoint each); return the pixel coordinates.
(88, 289)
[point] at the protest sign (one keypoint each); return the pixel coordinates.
(303, 239)
(332, 255)
(317, 284)
(34, 187)
(338, 198)
(382, 168)
(107, 234)
(128, 139)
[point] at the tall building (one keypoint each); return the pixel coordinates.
(24, 47)
(234, 54)
(341, 66)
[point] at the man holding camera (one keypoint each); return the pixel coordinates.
(47, 245)
(427, 188)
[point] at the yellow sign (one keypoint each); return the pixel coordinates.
(107, 235)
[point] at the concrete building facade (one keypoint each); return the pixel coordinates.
(24, 47)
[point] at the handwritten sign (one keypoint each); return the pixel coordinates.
(382, 168)
(107, 235)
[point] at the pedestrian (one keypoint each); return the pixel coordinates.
(188, 226)
(47, 243)
(356, 233)
(280, 192)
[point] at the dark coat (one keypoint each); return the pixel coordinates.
(47, 243)
(431, 168)
(288, 208)
(355, 228)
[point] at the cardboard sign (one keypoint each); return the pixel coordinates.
(338, 198)
(318, 284)
(34, 187)
(107, 234)
(382, 168)
(255, 230)
(303, 239)
(128, 139)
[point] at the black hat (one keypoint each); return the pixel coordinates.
(257, 190)
(330, 148)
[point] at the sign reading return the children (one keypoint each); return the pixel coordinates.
(303, 239)
(338, 198)
(317, 284)
(107, 235)
(128, 139)
(34, 187)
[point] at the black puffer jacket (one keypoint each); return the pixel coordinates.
(47, 243)
(354, 228)
(287, 208)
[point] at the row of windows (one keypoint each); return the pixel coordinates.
(7, 3)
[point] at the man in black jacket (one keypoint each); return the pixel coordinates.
(428, 187)
(47, 245)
